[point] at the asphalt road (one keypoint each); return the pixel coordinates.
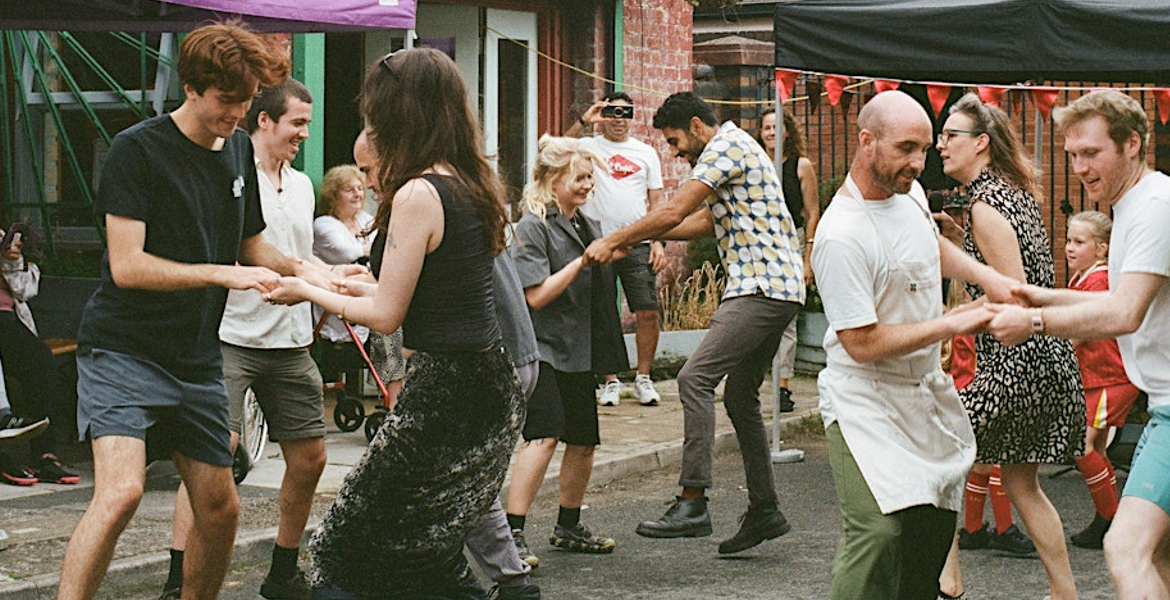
(796, 566)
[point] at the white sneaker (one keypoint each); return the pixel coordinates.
(644, 391)
(610, 394)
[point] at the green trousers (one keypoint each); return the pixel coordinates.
(897, 556)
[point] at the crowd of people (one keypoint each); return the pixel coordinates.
(217, 239)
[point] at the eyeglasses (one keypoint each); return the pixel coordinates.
(944, 136)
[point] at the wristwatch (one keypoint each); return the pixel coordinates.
(1038, 321)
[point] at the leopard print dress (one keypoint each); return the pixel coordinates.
(1026, 402)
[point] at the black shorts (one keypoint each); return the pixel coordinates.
(563, 406)
(639, 282)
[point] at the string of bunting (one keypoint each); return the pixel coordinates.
(1044, 96)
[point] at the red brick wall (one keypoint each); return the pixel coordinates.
(657, 62)
(657, 45)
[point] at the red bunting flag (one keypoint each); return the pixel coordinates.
(785, 83)
(835, 86)
(1045, 98)
(885, 85)
(1162, 95)
(938, 94)
(991, 95)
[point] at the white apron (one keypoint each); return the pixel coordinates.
(901, 417)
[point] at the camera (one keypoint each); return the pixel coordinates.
(618, 111)
(14, 234)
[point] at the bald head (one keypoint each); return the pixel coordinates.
(363, 157)
(890, 111)
(894, 136)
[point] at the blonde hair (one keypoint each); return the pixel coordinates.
(555, 158)
(1099, 224)
(331, 186)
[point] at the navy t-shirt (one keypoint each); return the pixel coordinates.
(198, 204)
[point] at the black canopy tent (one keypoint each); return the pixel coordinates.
(977, 41)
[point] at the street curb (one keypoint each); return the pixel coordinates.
(252, 547)
(256, 547)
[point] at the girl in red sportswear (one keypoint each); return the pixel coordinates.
(1108, 392)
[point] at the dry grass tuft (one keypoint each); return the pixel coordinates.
(689, 304)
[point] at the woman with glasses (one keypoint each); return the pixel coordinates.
(1026, 402)
(397, 527)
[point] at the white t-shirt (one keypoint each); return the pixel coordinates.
(288, 217)
(901, 417)
(1140, 243)
(620, 196)
(853, 267)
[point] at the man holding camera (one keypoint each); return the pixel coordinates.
(620, 197)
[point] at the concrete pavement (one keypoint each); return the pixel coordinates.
(40, 518)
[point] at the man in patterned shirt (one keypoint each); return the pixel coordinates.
(756, 238)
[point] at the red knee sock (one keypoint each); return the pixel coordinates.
(1102, 482)
(975, 498)
(1001, 507)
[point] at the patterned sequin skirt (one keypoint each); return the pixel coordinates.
(397, 527)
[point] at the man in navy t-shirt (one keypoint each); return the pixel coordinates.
(181, 205)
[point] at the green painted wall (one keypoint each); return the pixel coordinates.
(308, 67)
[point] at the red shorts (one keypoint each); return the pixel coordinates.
(1108, 405)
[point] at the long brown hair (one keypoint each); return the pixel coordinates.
(419, 116)
(1008, 155)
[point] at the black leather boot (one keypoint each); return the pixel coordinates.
(756, 525)
(685, 518)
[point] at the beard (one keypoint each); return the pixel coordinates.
(888, 179)
(695, 148)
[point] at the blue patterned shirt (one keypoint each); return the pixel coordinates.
(753, 228)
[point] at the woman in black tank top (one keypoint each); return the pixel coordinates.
(798, 180)
(438, 462)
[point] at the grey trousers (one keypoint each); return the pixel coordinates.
(744, 334)
(492, 547)
(491, 543)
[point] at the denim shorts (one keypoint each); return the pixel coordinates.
(124, 395)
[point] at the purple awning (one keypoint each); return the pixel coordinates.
(291, 16)
(374, 14)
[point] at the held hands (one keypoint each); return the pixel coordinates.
(287, 291)
(238, 277)
(1011, 325)
(970, 320)
(1013, 322)
(350, 270)
(599, 251)
(1001, 288)
(323, 278)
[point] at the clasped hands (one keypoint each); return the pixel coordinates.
(602, 251)
(1008, 313)
(347, 280)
